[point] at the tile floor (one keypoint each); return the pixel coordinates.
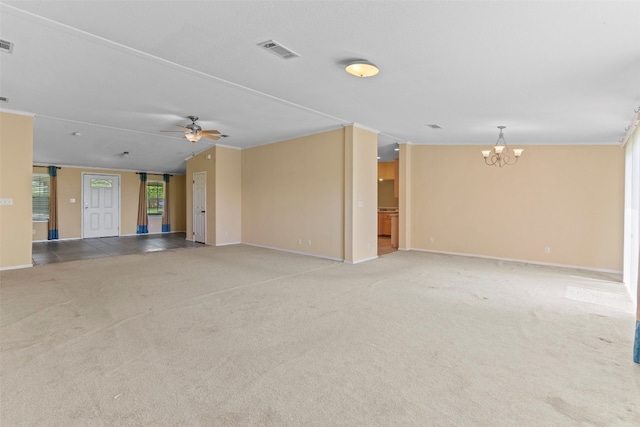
(70, 250)
(384, 245)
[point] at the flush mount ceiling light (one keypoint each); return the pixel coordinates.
(362, 68)
(397, 148)
(500, 155)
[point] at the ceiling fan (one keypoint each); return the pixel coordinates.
(193, 132)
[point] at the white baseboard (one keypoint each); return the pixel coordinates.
(149, 234)
(228, 244)
(522, 261)
(362, 260)
(294, 252)
(57, 240)
(122, 235)
(16, 267)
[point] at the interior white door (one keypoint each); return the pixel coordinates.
(101, 205)
(199, 206)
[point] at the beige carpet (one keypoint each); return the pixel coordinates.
(245, 336)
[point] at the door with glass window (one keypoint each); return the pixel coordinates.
(101, 205)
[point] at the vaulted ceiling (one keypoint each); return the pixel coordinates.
(120, 72)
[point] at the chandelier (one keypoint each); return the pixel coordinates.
(501, 155)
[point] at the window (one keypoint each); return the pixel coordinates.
(40, 195)
(101, 183)
(155, 197)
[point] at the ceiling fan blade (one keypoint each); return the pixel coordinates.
(214, 137)
(181, 131)
(213, 131)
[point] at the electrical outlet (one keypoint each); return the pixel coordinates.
(299, 241)
(309, 242)
(547, 250)
(6, 202)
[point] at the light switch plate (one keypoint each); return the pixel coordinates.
(6, 201)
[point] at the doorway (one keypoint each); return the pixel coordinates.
(387, 207)
(101, 205)
(199, 206)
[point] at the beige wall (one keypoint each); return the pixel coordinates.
(287, 194)
(567, 198)
(70, 213)
(40, 230)
(200, 163)
(361, 195)
(228, 195)
(292, 194)
(16, 158)
(405, 190)
(385, 194)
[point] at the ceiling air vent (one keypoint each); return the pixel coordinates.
(6, 46)
(277, 49)
(3, 99)
(435, 126)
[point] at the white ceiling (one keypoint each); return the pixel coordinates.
(119, 72)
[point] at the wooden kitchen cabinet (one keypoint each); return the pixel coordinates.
(384, 224)
(385, 170)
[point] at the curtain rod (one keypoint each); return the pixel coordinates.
(154, 173)
(43, 166)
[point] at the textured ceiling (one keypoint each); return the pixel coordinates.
(119, 72)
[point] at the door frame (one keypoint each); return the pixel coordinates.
(193, 206)
(82, 195)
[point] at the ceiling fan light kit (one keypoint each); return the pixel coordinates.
(362, 68)
(501, 155)
(193, 132)
(193, 137)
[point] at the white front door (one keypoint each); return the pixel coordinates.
(101, 205)
(199, 206)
